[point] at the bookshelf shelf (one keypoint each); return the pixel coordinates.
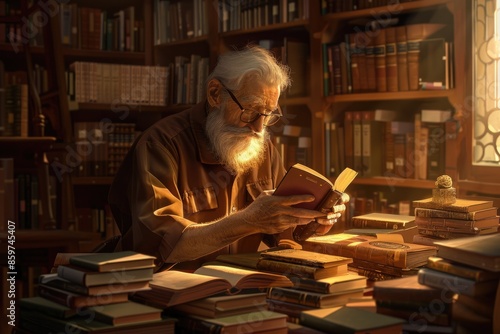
(125, 57)
(391, 96)
(395, 182)
(16, 143)
(189, 42)
(281, 27)
(83, 181)
(396, 8)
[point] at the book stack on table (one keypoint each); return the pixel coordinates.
(469, 268)
(385, 256)
(216, 298)
(464, 218)
(90, 294)
(424, 309)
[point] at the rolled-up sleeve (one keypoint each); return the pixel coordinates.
(155, 201)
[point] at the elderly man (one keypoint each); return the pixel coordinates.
(198, 183)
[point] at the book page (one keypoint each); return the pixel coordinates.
(178, 280)
(231, 274)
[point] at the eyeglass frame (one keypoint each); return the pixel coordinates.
(243, 110)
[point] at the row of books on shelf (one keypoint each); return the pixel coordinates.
(101, 148)
(180, 82)
(82, 27)
(337, 6)
(179, 20)
(14, 109)
(90, 28)
(391, 59)
(238, 15)
(96, 220)
(414, 150)
(20, 196)
(294, 144)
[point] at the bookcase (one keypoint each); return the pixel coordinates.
(338, 113)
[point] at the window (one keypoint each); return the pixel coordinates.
(486, 83)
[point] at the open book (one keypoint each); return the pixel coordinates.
(174, 287)
(301, 179)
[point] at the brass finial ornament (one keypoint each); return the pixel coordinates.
(444, 193)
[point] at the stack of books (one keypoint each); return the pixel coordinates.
(464, 218)
(319, 281)
(470, 269)
(216, 298)
(376, 223)
(424, 309)
(386, 256)
(89, 293)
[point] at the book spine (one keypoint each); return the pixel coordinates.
(462, 271)
(71, 275)
(380, 61)
(391, 59)
(402, 58)
(295, 297)
(287, 268)
(382, 224)
(431, 213)
(440, 280)
(55, 296)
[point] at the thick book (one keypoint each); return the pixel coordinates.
(223, 305)
(53, 280)
(461, 270)
(472, 215)
(383, 221)
(93, 278)
(402, 58)
(37, 322)
(392, 290)
(125, 313)
(46, 306)
(105, 262)
(334, 284)
(460, 205)
(478, 251)
(74, 300)
(313, 299)
(408, 233)
(174, 287)
(308, 258)
(299, 270)
(456, 224)
(396, 254)
(415, 33)
(301, 179)
(456, 284)
(252, 322)
(350, 320)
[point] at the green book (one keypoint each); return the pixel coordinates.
(113, 261)
(47, 307)
(350, 320)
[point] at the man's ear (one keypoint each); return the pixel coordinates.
(213, 92)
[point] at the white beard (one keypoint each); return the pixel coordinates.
(239, 149)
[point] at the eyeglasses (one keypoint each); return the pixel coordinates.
(250, 115)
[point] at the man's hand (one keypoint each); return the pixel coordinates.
(274, 214)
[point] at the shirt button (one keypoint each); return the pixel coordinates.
(233, 209)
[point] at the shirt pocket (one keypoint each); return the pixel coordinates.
(199, 200)
(254, 189)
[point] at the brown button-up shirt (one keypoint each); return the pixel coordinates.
(171, 179)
